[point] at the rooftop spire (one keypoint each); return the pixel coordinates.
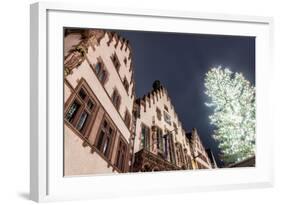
(156, 85)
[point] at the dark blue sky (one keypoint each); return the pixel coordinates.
(180, 62)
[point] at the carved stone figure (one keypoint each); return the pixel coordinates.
(74, 59)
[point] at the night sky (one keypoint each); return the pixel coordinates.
(180, 62)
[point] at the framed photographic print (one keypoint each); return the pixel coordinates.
(128, 102)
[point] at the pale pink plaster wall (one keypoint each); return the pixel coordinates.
(80, 160)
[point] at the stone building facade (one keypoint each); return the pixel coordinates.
(160, 141)
(98, 101)
(108, 130)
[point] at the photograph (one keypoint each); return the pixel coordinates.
(147, 101)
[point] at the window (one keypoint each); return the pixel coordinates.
(166, 147)
(159, 134)
(116, 99)
(180, 154)
(81, 111)
(100, 71)
(166, 108)
(189, 162)
(105, 138)
(158, 113)
(175, 128)
(127, 119)
(121, 155)
(125, 61)
(115, 61)
(145, 137)
(126, 84)
(167, 118)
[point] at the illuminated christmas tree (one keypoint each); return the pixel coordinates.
(232, 98)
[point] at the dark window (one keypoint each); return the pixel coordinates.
(125, 61)
(90, 104)
(159, 114)
(116, 99)
(100, 72)
(82, 121)
(115, 61)
(159, 134)
(121, 155)
(105, 138)
(167, 118)
(82, 94)
(171, 149)
(81, 110)
(145, 137)
(127, 119)
(180, 154)
(98, 67)
(70, 116)
(126, 84)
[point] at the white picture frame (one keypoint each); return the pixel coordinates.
(46, 179)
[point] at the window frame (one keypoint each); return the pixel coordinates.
(118, 98)
(166, 114)
(158, 114)
(110, 144)
(115, 61)
(102, 69)
(92, 113)
(126, 84)
(127, 115)
(122, 149)
(145, 140)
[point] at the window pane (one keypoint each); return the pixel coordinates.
(126, 84)
(105, 124)
(159, 140)
(101, 136)
(110, 130)
(82, 94)
(105, 146)
(114, 95)
(82, 121)
(98, 68)
(167, 118)
(122, 161)
(127, 119)
(118, 158)
(90, 104)
(72, 111)
(102, 76)
(145, 137)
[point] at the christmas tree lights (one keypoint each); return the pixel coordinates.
(232, 98)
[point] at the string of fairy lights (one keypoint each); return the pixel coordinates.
(232, 98)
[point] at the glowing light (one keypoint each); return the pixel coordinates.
(233, 101)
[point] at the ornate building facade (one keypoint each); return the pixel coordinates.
(98, 102)
(108, 130)
(161, 143)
